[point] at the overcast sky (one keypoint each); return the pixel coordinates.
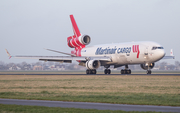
(28, 26)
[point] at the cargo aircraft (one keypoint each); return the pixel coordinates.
(145, 53)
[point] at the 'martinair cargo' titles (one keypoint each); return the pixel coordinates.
(108, 50)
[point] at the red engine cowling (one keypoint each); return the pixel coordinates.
(82, 40)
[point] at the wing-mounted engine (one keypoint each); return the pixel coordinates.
(93, 64)
(82, 40)
(145, 66)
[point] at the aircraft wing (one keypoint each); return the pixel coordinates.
(171, 56)
(66, 59)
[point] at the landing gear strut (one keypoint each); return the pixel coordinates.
(91, 71)
(126, 70)
(148, 71)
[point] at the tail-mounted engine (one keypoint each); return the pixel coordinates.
(82, 40)
(145, 67)
(93, 64)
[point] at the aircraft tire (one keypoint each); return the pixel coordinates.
(123, 71)
(128, 71)
(107, 71)
(93, 71)
(148, 71)
(87, 71)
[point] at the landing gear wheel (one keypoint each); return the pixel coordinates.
(89, 71)
(122, 71)
(128, 71)
(148, 71)
(125, 71)
(93, 71)
(107, 71)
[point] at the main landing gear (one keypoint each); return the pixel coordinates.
(91, 71)
(126, 70)
(107, 71)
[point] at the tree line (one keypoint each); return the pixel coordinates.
(72, 66)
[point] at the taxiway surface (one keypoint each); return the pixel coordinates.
(101, 74)
(89, 105)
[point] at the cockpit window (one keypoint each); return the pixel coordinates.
(154, 48)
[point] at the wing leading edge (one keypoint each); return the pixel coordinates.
(66, 59)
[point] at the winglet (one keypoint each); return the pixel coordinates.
(8, 53)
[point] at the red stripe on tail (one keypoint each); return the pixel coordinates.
(75, 27)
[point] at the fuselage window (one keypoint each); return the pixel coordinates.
(160, 48)
(154, 48)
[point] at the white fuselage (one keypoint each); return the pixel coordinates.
(127, 53)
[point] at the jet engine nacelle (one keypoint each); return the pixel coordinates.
(82, 40)
(93, 64)
(145, 67)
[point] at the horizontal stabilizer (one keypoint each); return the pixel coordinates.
(60, 52)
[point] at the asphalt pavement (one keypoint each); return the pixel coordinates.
(89, 105)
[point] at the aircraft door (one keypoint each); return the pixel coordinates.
(146, 51)
(147, 54)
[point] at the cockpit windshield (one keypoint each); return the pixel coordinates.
(154, 48)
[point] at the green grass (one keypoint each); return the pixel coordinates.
(142, 90)
(115, 98)
(40, 109)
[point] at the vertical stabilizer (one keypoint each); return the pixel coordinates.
(171, 54)
(75, 27)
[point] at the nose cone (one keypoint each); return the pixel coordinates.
(161, 54)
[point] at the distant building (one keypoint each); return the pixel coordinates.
(57, 67)
(37, 68)
(14, 67)
(60, 67)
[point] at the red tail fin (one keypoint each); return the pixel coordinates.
(75, 27)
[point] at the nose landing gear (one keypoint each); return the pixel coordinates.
(148, 71)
